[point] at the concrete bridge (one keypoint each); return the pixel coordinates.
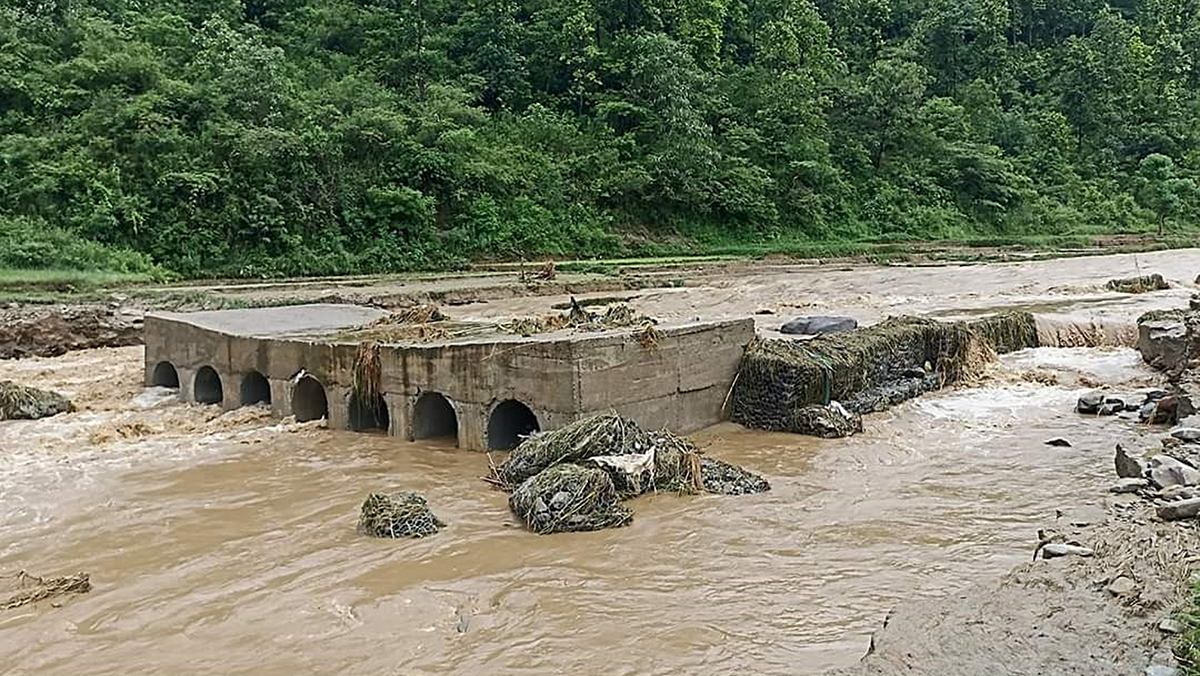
(486, 390)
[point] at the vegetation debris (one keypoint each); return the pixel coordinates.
(32, 589)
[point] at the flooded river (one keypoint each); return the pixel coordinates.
(225, 542)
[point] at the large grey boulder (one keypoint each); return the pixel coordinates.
(1189, 435)
(815, 326)
(1166, 471)
(1163, 342)
(1129, 467)
(1183, 509)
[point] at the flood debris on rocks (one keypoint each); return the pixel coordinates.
(397, 515)
(867, 369)
(574, 478)
(1141, 284)
(567, 498)
(18, 402)
(25, 588)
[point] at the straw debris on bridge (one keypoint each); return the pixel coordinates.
(574, 478)
(868, 369)
(398, 515)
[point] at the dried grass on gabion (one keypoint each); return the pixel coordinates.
(567, 498)
(726, 479)
(1142, 284)
(1007, 331)
(668, 461)
(399, 515)
(18, 402)
(860, 368)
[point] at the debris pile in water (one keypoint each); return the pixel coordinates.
(18, 402)
(26, 588)
(867, 369)
(574, 478)
(1142, 284)
(399, 515)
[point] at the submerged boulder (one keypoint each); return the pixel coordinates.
(817, 326)
(568, 497)
(18, 402)
(1142, 284)
(399, 515)
(831, 421)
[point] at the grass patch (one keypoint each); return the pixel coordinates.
(1187, 646)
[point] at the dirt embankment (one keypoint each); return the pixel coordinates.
(51, 330)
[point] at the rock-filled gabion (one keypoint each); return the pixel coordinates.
(399, 515)
(18, 402)
(726, 479)
(868, 369)
(569, 497)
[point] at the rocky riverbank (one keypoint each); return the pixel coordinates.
(1106, 582)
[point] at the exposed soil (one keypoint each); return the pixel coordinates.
(39, 330)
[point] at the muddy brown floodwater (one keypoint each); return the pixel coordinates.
(225, 542)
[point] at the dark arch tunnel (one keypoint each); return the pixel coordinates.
(255, 389)
(165, 375)
(308, 400)
(434, 418)
(208, 389)
(510, 422)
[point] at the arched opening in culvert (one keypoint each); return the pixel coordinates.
(308, 400)
(367, 414)
(510, 423)
(165, 375)
(255, 389)
(208, 388)
(434, 417)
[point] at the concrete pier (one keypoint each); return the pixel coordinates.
(487, 390)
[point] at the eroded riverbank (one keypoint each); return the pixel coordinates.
(225, 542)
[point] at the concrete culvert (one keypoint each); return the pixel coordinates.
(368, 415)
(510, 422)
(308, 400)
(255, 389)
(434, 417)
(208, 386)
(165, 375)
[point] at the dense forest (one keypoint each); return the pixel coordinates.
(268, 137)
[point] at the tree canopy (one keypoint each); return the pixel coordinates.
(266, 137)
